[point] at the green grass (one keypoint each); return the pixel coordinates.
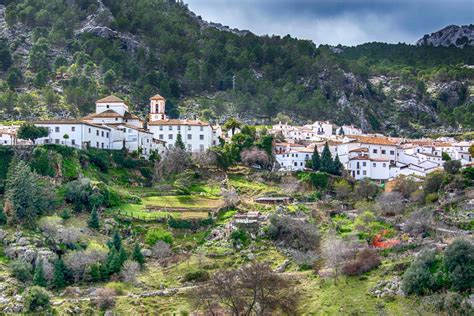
(252, 188)
(185, 202)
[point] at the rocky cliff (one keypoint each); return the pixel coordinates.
(452, 35)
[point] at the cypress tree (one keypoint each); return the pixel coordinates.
(337, 166)
(122, 256)
(179, 142)
(38, 277)
(326, 160)
(137, 255)
(59, 275)
(104, 272)
(315, 159)
(93, 221)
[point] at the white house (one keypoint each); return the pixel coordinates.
(322, 128)
(365, 167)
(75, 133)
(348, 130)
(294, 159)
(197, 135)
(7, 135)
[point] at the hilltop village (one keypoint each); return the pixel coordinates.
(363, 155)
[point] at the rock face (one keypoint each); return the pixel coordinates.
(452, 35)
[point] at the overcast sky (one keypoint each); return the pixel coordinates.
(347, 22)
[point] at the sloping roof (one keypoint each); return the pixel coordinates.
(108, 113)
(178, 122)
(374, 140)
(157, 97)
(110, 99)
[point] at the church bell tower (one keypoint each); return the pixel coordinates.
(157, 108)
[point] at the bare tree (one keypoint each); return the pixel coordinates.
(405, 186)
(255, 156)
(420, 222)
(253, 289)
(206, 159)
(104, 298)
(390, 203)
(231, 197)
(336, 252)
(161, 250)
(175, 161)
(79, 261)
(294, 233)
(366, 189)
(130, 271)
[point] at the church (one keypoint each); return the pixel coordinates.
(113, 126)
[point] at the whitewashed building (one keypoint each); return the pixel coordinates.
(294, 159)
(198, 136)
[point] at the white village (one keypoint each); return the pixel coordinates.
(363, 155)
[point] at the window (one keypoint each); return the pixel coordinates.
(358, 165)
(364, 173)
(201, 137)
(56, 141)
(384, 151)
(374, 165)
(116, 118)
(56, 129)
(358, 172)
(392, 152)
(201, 128)
(179, 127)
(73, 129)
(170, 136)
(107, 106)
(375, 151)
(161, 128)
(89, 130)
(170, 127)
(97, 144)
(189, 127)
(201, 148)
(364, 164)
(107, 134)
(102, 133)
(102, 145)
(97, 134)
(190, 136)
(384, 165)
(296, 164)
(73, 141)
(161, 136)
(190, 147)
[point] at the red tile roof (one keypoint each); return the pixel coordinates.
(110, 99)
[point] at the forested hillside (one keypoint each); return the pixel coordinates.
(58, 56)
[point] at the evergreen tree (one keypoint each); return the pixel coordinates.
(179, 142)
(59, 275)
(341, 132)
(38, 277)
(326, 160)
(315, 159)
(104, 272)
(122, 256)
(95, 272)
(117, 241)
(137, 255)
(337, 166)
(114, 263)
(93, 221)
(3, 217)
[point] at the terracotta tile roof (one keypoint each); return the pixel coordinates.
(157, 97)
(107, 114)
(359, 150)
(110, 99)
(374, 140)
(366, 157)
(289, 144)
(178, 122)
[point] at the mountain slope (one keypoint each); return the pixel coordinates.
(58, 57)
(452, 35)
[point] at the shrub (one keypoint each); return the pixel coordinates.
(434, 182)
(319, 180)
(21, 270)
(130, 271)
(240, 237)
(36, 298)
(161, 250)
(420, 278)
(459, 262)
(365, 261)
(452, 166)
(154, 235)
(197, 276)
(104, 298)
(431, 198)
(294, 233)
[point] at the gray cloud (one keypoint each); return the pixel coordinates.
(347, 22)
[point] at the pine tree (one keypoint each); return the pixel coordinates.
(93, 221)
(326, 160)
(315, 159)
(114, 263)
(38, 277)
(104, 272)
(337, 166)
(95, 273)
(179, 142)
(122, 256)
(117, 241)
(59, 275)
(341, 132)
(137, 255)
